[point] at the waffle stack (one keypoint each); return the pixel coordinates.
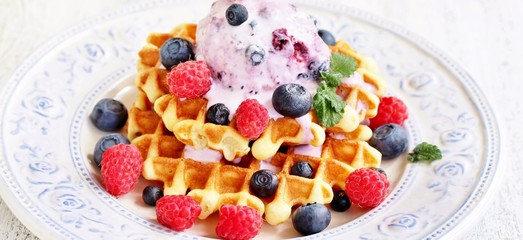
(163, 126)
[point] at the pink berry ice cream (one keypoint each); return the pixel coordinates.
(254, 46)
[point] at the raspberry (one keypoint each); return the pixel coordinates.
(121, 168)
(251, 119)
(191, 79)
(238, 222)
(366, 187)
(390, 110)
(177, 212)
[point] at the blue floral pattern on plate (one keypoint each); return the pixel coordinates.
(46, 137)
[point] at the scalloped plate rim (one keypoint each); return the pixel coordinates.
(20, 211)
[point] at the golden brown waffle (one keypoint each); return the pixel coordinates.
(339, 157)
(151, 81)
(188, 124)
(162, 126)
(285, 131)
(213, 184)
(226, 139)
(362, 103)
(151, 75)
(366, 66)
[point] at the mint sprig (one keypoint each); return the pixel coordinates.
(328, 105)
(425, 152)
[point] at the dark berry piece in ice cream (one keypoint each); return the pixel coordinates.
(175, 51)
(105, 143)
(340, 202)
(253, 24)
(236, 14)
(255, 55)
(311, 218)
(264, 183)
(109, 115)
(218, 114)
(327, 37)
(292, 100)
(314, 20)
(302, 169)
(301, 52)
(280, 38)
(390, 139)
(151, 194)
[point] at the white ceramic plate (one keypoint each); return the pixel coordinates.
(49, 182)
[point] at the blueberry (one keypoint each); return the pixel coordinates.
(302, 169)
(340, 202)
(236, 14)
(292, 100)
(218, 114)
(311, 218)
(105, 143)
(303, 76)
(264, 183)
(151, 194)
(327, 37)
(175, 51)
(255, 54)
(109, 115)
(380, 170)
(317, 67)
(390, 139)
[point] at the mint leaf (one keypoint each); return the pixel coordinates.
(425, 152)
(343, 64)
(328, 106)
(332, 79)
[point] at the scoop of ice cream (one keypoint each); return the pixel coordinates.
(253, 46)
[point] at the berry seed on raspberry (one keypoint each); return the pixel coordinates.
(191, 79)
(390, 110)
(238, 222)
(251, 119)
(121, 168)
(366, 187)
(177, 212)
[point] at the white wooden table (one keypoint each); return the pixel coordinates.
(485, 36)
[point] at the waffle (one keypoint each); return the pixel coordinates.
(194, 131)
(151, 83)
(226, 139)
(151, 78)
(339, 157)
(362, 103)
(163, 126)
(213, 184)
